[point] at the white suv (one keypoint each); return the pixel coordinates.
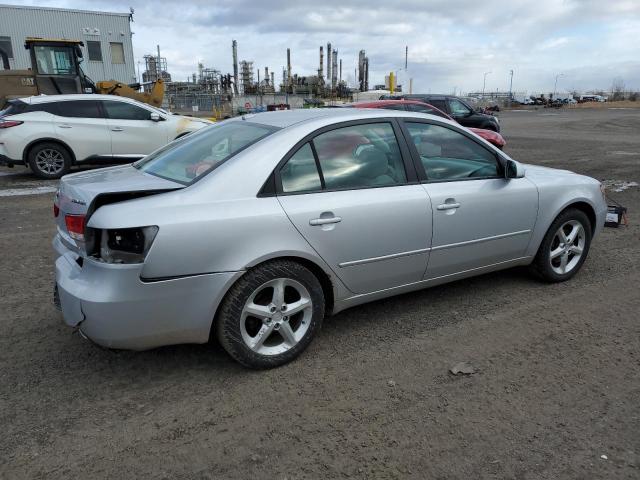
(51, 133)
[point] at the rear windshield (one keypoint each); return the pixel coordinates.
(13, 108)
(16, 107)
(195, 155)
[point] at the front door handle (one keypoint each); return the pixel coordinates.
(117, 129)
(448, 206)
(64, 125)
(324, 221)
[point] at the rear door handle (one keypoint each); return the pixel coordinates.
(324, 221)
(448, 206)
(117, 129)
(64, 125)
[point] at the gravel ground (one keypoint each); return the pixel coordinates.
(555, 393)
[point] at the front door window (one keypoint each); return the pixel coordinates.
(458, 109)
(449, 155)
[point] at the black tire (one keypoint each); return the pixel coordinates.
(542, 266)
(228, 321)
(61, 160)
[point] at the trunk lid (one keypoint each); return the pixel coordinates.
(83, 192)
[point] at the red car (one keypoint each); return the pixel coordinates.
(416, 106)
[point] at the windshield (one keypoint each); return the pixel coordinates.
(195, 155)
(54, 60)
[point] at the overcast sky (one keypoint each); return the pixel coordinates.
(451, 42)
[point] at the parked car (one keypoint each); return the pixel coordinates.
(459, 109)
(417, 106)
(592, 98)
(51, 133)
(298, 214)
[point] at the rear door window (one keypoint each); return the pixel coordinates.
(414, 107)
(439, 103)
(360, 156)
(300, 173)
(45, 107)
(80, 109)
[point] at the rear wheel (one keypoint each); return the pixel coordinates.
(49, 160)
(564, 247)
(271, 314)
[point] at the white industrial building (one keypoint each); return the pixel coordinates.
(108, 49)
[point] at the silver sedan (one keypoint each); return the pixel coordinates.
(254, 229)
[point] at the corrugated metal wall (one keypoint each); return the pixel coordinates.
(21, 22)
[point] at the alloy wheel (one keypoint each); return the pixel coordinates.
(276, 316)
(567, 247)
(50, 161)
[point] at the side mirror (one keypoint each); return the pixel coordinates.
(513, 170)
(154, 117)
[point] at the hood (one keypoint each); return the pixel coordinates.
(197, 120)
(546, 171)
(190, 124)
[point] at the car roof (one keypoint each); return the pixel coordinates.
(388, 102)
(382, 103)
(76, 96)
(409, 96)
(327, 116)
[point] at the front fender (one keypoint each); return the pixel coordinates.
(557, 198)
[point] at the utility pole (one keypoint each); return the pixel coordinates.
(555, 85)
(158, 70)
(484, 83)
(234, 54)
(510, 87)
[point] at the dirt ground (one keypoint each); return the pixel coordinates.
(556, 393)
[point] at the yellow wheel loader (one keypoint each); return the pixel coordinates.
(55, 69)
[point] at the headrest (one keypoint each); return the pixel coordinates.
(373, 162)
(426, 148)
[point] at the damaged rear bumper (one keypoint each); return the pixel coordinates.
(113, 307)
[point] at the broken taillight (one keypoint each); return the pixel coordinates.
(56, 210)
(127, 245)
(75, 226)
(9, 123)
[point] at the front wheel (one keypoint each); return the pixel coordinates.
(271, 314)
(564, 247)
